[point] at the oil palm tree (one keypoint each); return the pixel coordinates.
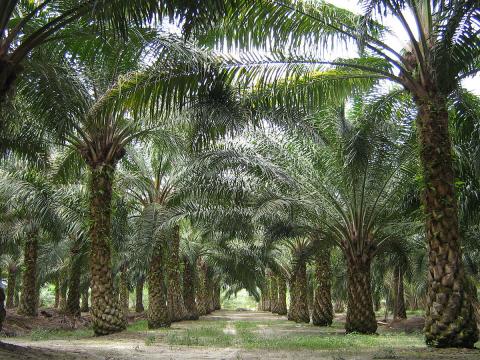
(442, 50)
(354, 185)
(33, 219)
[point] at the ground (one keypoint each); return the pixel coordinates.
(225, 334)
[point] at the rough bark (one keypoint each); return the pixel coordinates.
(399, 311)
(217, 296)
(449, 318)
(282, 297)
(12, 283)
(157, 313)
(360, 314)
(202, 292)
(299, 293)
(123, 292)
(339, 306)
(139, 295)
(107, 317)
(73, 298)
(63, 295)
(3, 313)
(176, 305)
(210, 293)
(273, 294)
(322, 314)
(28, 301)
(189, 289)
(57, 294)
(85, 307)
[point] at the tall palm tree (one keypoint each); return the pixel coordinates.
(442, 50)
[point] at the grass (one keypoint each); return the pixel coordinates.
(45, 334)
(249, 335)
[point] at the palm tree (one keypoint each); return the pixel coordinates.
(322, 313)
(34, 219)
(443, 50)
(350, 193)
(26, 26)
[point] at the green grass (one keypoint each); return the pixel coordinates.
(249, 335)
(44, 334)
(241, 301)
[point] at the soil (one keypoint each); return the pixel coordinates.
(132, 345)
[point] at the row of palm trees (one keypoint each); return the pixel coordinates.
(97, 98)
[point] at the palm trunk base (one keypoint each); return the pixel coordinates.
(360, 314)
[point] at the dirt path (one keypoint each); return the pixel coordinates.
(228, 335)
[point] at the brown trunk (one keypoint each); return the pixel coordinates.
(189, 289)
(399, 311)
(282, 297)
(218, 302)
(360, 314)
(176, 305)
(139, 295)
(12, 283)
(3, 313)
(210, 291)
(273, 294)
(107, 317)
(73, 299)
(28, 301)
(322, 314)
(123, 292)
(266, 292)
(157, 313)
(63, 295)
(450, 320)
(299, 294)
(202, 293)
(339, 306)
(85, 307)
(8, 75)
(57, 294)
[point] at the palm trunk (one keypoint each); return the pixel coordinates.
(449, 318)
(273, 294)
(28, 301)
(8, 75)
(282, 297)
(210, 291)
(176, 305)
(322, 314)
(202, 293)
(139, 295)
(299, 295)
(217, 298)
(360, 314)
(339, 306)
(63, 295)
(267, 306)
(189, 289)
(157, 313)
(399, 311)
(123, 292)
(107, 317)
(85, 307)
(57, 294)
(12, 283)
(73, 299)
(3, 313)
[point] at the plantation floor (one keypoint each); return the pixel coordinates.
(228, 335)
